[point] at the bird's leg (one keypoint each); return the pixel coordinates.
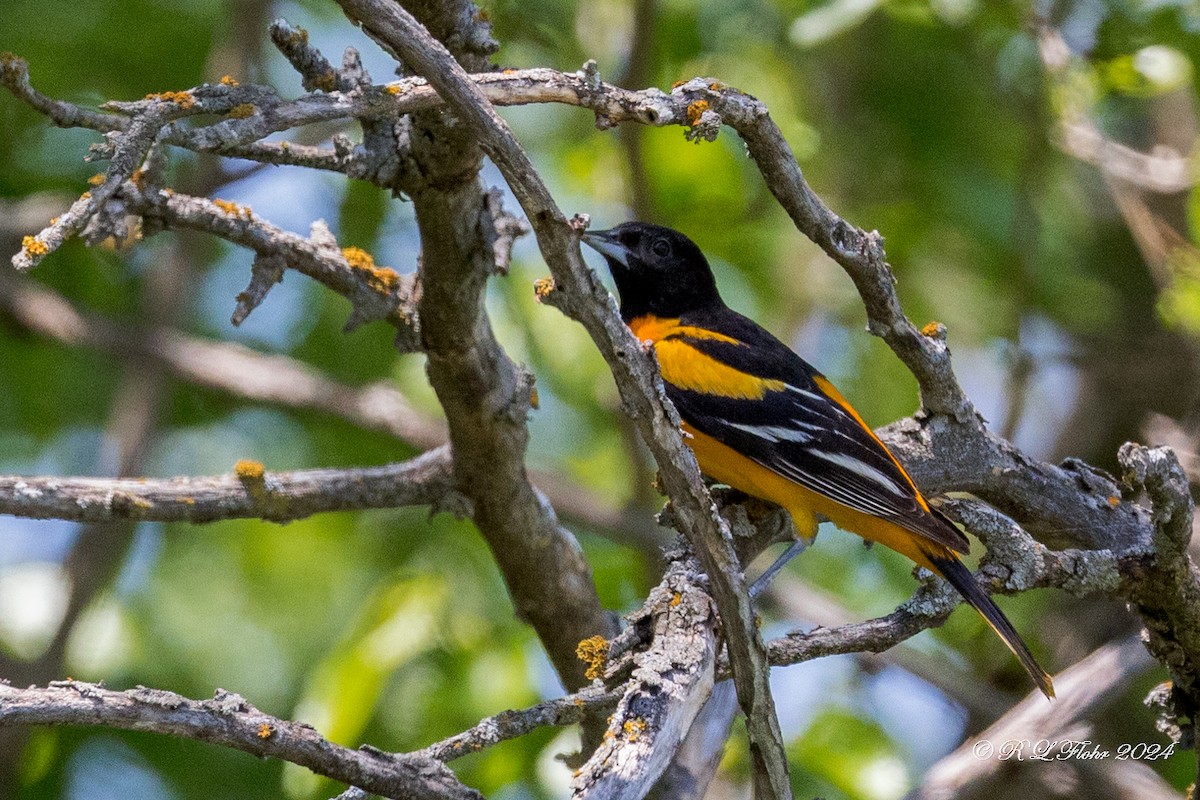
(763, 581)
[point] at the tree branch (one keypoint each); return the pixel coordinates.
(663, 687)
(248, 493)
(230, 721)
(376, 293)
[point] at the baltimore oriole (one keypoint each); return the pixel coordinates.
(760, 419)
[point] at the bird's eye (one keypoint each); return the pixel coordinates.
(661, 248)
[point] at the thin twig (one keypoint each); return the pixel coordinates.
(513, 724)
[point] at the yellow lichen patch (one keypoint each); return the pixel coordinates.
(932, 329)
(137, 177)
(265, 730)
(676, 599)
(242, 110)
(533, 397)
(358, 258)
(633, 729)
(1114, 501)
(34, 246)
(96, 179)
(695, 110)
(181, 99)
(593, 651)
(508, 72)
(85, 196)
(232, 209)
(384, 280)
(249, 470)
(392, 88)
(543, 288)
(717, 86)
(54, 220)
(677, 84)
(229, 80)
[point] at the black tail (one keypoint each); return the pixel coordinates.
(953, 570)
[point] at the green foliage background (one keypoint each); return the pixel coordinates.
(930, 121)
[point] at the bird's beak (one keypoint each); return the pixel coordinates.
(604, 243)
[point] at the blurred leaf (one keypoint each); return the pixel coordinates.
(851, 755)
(399, 621)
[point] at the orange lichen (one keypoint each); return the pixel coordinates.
(137, 177)
(677, 84)
(543, 288)
(384, 280)
(265, 730)
(509, 71)
(593, 651)
(249, 470)
(242, 110)
(392, 88)
(181, 99)
(96, 179)
(229, 80)
(932, 329)
(695, 111)
(1114, 501)
(358, 258)
(676, 599)
(54, 220)
(533, 397)
(633, 729)
(232, 209)
(85, 196)
(717, 86)
(34, 246)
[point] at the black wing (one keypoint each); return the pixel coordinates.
(803, 433)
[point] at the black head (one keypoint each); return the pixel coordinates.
(657, 270)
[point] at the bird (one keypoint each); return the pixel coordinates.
(761, 419)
